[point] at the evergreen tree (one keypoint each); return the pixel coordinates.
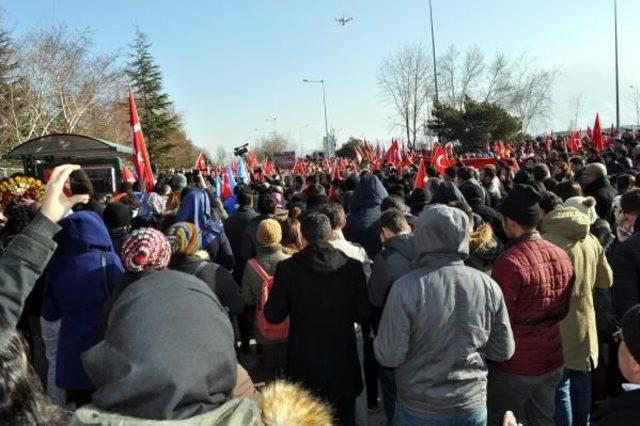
(157, 116)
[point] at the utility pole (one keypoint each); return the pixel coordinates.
(433, 51)
(615, 21)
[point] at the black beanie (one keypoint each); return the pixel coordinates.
(521, 205)
(631, 331)
(116, 215)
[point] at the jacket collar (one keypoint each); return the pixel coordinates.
(535, 235)
(266, 250)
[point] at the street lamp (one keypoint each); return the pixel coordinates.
(433, 51)
(615, 24)
(636, 100)
(324, 102)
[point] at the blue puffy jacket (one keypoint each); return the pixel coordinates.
(362, 223)
(81, 275)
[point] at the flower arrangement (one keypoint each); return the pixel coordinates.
(20, 188)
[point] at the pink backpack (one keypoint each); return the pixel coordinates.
(265, 328)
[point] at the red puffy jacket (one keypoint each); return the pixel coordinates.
(536, 278)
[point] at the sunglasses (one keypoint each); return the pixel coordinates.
(618, 337)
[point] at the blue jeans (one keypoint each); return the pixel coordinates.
(405, 417)
(573, 398)
(387, 378)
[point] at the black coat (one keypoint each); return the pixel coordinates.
(618, 411)
(604, 194)
(625, 264)
(235, 226)
(217, 278)
(324, 292)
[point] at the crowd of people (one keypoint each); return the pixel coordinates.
(503, 295)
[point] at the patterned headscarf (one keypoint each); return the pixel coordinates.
(146, 249)
(184, 237)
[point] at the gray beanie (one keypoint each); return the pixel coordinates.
(178, 182)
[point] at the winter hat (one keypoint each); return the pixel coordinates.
(631, 331)
(146, 249)
(185, 238)
(585, 205)
(269, 232)
(178, 182)
(522, 205)
(116, 215)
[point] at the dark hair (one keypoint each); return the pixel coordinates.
(625, 181)
(315, 227)
(291, 235)
(490, 171)
(80, 183)
(393, 202)
(136, 186)
(126, 187)
(464, 173)
(335, 213)
(450, 171)
(576, 161)
(245, 198)
(315, 190)
(630, 202)
(312, 179)
(394, 220)
(19, 215)
(266, 204)
(432, 172)
(549, 201)
(567, 189)
(540, 172)
(22, 399)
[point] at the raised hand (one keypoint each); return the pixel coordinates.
(56, 203)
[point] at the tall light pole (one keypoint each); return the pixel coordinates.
(433, 51)
(324, 102)
(615, 22)
(636, 101)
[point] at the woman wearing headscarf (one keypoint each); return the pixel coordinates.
(78, 280)
(187, 257)
(196, 209)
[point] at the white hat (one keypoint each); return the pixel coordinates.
(585, 205)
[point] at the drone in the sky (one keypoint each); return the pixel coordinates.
(344, 20)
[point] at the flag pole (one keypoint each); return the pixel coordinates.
(615, 21)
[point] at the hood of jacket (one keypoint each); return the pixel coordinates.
(148, 367)
(566, 222)
(369, 193)
(238, 411)
(321, 258)
(196, 209)
(446, 192)
(441, 235)
(404, 245)
(81, 232)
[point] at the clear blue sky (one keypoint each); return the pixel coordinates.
(229, 65)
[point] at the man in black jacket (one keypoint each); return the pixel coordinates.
(625, 409)
(391, 263)
(235, 226)
(597, 185)
(323, 292)
(626, 290)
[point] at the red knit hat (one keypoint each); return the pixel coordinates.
(146, 248)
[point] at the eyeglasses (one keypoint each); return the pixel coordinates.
(618, 337)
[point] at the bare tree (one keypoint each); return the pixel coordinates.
(276, 142)
(62, 84)
(517, 85)
(405, 79)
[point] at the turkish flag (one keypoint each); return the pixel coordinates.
(439, 159)
(421, 176)
(225, 190)
(597, 141)
(127, 176)
(201, 163)
(140, 154)
(268, 168)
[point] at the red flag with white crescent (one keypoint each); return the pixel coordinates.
(201, 163)
(140, 155)
(439, 159)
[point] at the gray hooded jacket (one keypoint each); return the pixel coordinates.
(442, 320)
